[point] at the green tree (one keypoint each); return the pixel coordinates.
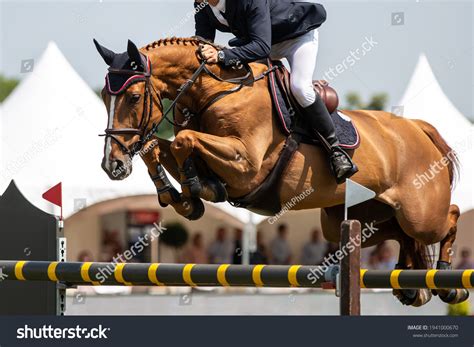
(6, 86)
(377, 102)
(166, 130)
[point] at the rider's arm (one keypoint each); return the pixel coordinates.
(260, 35)
(204, 26)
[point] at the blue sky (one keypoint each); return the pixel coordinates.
(442, 29)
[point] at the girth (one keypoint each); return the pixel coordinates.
(265, 199)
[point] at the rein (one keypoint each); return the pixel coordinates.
(148, 99)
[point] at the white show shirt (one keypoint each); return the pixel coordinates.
(218, 10)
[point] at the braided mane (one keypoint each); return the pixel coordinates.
(172, 41)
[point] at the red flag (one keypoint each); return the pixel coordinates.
(54, 196)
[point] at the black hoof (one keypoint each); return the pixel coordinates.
(407, 296)
(453, 296)
(198, 210)
(219, 190)
(175, 196)
(195, 188)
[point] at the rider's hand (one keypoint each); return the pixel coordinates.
(209, 53)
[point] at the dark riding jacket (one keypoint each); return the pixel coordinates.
(258, 24)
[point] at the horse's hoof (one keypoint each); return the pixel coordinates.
(413, 297)
(218, 189)
(175, 197)
(192, 187)
(198, 210)
(453, 296)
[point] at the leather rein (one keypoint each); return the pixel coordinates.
(150, 91)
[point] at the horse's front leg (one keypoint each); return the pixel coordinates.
(154, 155)
(226, 157)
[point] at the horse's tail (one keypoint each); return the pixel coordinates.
(447, 152)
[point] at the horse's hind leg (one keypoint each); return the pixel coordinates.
(380, 218)
(450, 296)
(412, 255)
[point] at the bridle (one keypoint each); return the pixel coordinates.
(141, 131)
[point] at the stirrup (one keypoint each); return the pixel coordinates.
(350, 172)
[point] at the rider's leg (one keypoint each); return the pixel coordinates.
(302, 53)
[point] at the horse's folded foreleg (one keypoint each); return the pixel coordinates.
(227, 157)
(190, 208)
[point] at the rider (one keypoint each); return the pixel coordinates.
(276, 29)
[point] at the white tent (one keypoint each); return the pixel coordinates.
(50, 133)
(50, 126)
(424, 99)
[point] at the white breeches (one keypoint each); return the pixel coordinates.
(301, 54)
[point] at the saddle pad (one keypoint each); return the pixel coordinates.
(290, 119)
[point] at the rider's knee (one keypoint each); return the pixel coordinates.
(303, 92)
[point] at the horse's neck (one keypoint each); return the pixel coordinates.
(174, 66)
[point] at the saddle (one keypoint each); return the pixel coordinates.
(327, 93)
(290, 114)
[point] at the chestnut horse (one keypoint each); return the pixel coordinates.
(229, 149)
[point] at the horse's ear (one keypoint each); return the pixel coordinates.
(134, 54)
(105, 53)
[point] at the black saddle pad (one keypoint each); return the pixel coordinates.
(292, 122)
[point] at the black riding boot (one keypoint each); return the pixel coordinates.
(322, 125)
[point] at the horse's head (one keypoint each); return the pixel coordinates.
(129, 97)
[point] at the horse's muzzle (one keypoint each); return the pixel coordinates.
(117, 170)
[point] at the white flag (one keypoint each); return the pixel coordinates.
(356, 194)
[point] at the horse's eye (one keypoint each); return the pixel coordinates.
(135, 98)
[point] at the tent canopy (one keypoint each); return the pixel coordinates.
(424, 99)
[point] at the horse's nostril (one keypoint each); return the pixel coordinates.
(117, 168)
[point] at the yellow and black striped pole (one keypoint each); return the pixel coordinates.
(224, 275)
(414, 279)
(168, 274)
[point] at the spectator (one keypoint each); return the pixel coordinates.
(85, 257)
(237, 258)
(313, 252)
(220, 251)
(466, 260)
(280, 252)
(384, 257)
(373, 261)
(196, 253)
(111, 245)
(331, 250)
(260, 255)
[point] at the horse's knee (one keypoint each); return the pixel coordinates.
(184, 140)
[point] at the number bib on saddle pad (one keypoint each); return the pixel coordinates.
(289, 116)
